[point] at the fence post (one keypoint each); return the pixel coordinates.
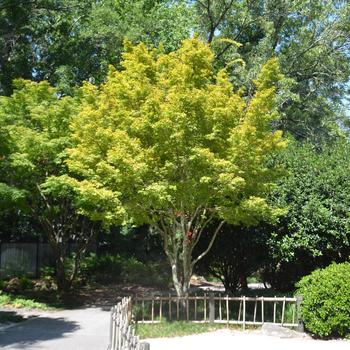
(145, 346)
(111, 329)
(300, 320)
(211, 308)
(244, 310)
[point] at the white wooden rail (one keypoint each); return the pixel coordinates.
(212, 308)
(122, 334)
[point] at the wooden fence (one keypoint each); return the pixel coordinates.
(122, 334)
(212, 308)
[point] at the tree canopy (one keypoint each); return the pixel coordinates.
(69, 41)
(311, 41)
(170, 143)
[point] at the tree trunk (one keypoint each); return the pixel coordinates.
(61, 277)
(181, 281)
(180, 235)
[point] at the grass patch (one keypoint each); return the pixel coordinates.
(17, 301)
(175, 329)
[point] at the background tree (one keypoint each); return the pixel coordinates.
(172, 145)
(36, 121)
(237, 253)
(315, 231)
(69, 41)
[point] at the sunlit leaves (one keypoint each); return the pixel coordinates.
(168, 131)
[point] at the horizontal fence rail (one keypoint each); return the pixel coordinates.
(122, 333)
(284, 311)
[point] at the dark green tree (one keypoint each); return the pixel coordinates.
(236, 253)
(69, 41)
(316, 229)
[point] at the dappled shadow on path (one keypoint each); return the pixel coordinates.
(36, 330)
(8, 317)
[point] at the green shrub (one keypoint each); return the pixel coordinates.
(326, 303)
(102, 269)
(13, 285)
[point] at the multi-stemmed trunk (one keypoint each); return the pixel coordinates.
(180, 233)
(59, 241)
(63, 224)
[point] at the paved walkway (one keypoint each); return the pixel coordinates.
(85, 329)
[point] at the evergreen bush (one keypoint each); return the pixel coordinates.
(326, 300)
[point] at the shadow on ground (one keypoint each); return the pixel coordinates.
(8, 317)
(36, 330)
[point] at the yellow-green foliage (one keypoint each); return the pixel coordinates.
(167, 133)
(36, 121)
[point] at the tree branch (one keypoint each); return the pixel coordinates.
(194, 262)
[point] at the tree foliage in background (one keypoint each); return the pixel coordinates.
(69, 41)
(36, 122)
(316, 229)
(313, 233)
(236, 254)
(168, 142)
(310, 39)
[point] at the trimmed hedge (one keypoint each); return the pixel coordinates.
(326, 304)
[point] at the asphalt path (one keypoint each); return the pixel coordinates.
(79, 329)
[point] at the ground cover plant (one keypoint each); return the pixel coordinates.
(18, 301)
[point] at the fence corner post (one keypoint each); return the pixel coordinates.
(111, 328)
(211, 308)
(244, 311)
(144, 346)
(300, 327)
